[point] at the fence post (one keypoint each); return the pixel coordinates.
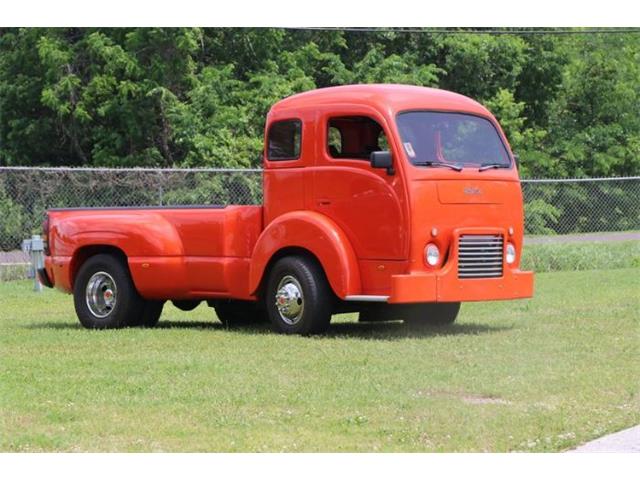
(37, 260)
(160, 188)
(34, 247)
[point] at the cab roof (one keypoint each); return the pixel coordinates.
(388, 98)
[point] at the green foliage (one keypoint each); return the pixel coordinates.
(480, 65)
(594, 120)
(580, 207)
(11, 222)
(217, 190)
(198, 97)
(541, 217)
(375, 67)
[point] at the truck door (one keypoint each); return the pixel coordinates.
(367, 203)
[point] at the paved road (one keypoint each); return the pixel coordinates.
(15, 256)
(626, 441)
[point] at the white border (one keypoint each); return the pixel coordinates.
(296, 13)
(320, 466)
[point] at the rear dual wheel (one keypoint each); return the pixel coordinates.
(238, 313)
(105, 297)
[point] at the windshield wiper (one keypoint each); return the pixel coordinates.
(489, 166)
(452, 166)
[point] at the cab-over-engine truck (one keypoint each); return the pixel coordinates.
(397, 202)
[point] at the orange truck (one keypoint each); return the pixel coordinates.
(397, 202)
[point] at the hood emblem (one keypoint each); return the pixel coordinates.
(472, 191)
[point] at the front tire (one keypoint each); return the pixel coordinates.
(186, 305)
(298, 298)
(431, 314)
(104, 295)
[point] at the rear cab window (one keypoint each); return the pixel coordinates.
(284, 140)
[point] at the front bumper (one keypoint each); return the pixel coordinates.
(444, 284)
(445, 287)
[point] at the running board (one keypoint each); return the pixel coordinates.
(366, 298)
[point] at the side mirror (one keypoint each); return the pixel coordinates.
(382, 159)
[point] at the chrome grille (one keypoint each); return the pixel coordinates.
(480, 256)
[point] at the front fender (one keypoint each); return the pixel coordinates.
(319, 235)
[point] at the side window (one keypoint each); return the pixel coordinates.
(335, 141)
(382, 141)
(354, 137)
(284, 140)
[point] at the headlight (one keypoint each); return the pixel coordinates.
(511, 253)
(432, 255)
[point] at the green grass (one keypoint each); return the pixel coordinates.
(534, 375)
(581, 256)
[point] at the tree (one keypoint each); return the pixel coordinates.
(594, 124)
(194, 97)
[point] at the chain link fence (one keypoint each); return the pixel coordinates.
(581, 205)
(26, 193)
(551, 206)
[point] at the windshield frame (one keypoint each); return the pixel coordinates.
(491, 121)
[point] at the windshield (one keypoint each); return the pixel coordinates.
(457, 138)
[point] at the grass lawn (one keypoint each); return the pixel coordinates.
(534, 375)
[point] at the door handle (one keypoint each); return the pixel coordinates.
(323, 202)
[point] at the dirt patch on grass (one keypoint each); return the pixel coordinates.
(482, 400)
(466, 397)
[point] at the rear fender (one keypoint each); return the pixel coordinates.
(138, 238)
(146, 234)
(317, 234)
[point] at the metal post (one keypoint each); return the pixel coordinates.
(160, 189)
(37, 259)
(26, 249)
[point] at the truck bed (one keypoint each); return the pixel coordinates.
(173, 252)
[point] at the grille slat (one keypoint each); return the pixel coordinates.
(480, 256)
(481, 275)
(482, 242)
(483, 269)
(482, 264)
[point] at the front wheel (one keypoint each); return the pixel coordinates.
(104, 295)
(298, 298)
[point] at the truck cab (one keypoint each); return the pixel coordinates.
(433, 221)
(394, 201)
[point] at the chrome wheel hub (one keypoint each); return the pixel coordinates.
(289, 300)
(101, 294)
